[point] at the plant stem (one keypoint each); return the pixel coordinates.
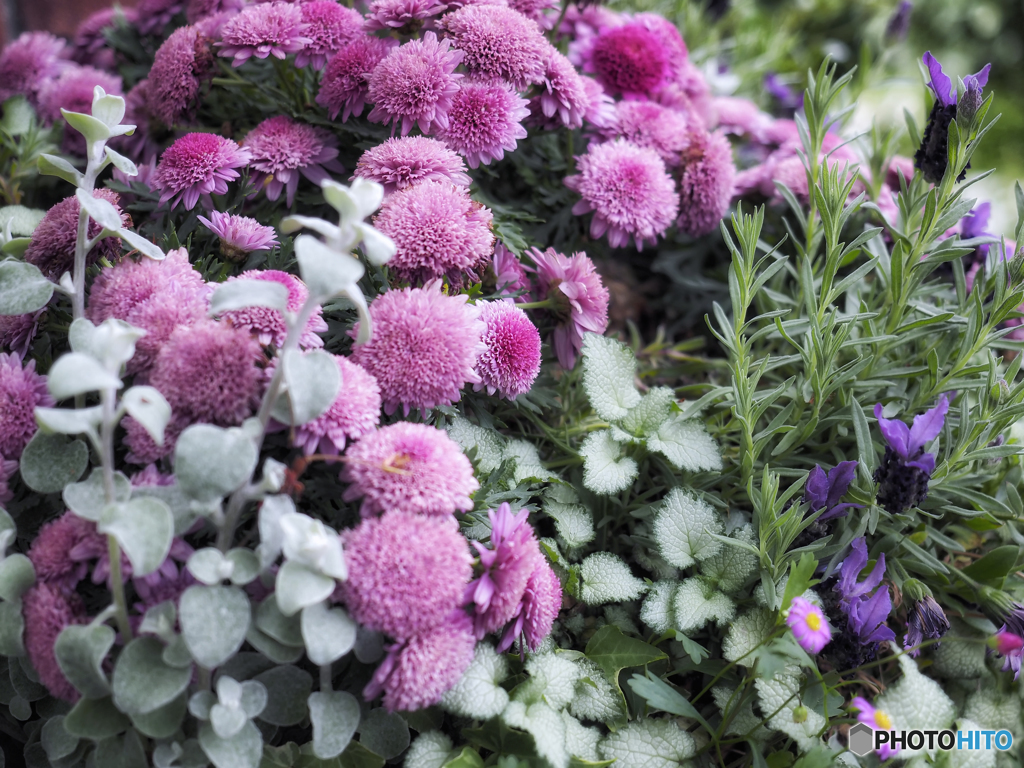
(113, 548)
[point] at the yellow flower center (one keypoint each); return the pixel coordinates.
(883, 721)
(813, 621)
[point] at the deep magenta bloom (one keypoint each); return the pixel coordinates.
(878, 720)
(423, 349)
(564, 100)
(153, 15)
(1006, 642)
(1010, 640)
(706, 183)
(22, 390)
(826, 490)
(809, 625)
(629, 191)
(630, 59)
(580, 299)
(281, 149)
(512, 360)
(499, 44)
(267, 324)
(28, 62)
(412, 467)
(648, 124)
(17, 332)
(417, 673)
(178, 67)
(399, 14)
(73, 90)
(51, 550)
(142, 449)
(53, 242)
(414, 85)
(262, 30)
(354, 413)
(439, 230)
(345, 83)
(406, 572)
(47, 609)
(239, 235)
(485, 121)
(208, 373)
(198, 164)
(905, 469)
(329, 26)
(402, 162)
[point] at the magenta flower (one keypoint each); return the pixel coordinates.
(878, 720)
(564, 100)
(600, 111)
(1009, 640)
(542, 601)
(512, 360)
(414, 85)
(17, 332)
(262, 30)
(28, 62)
(399, 14)
(706, 183)
(499, 44)
(329, 26)
(809, 625)
(743, 117)
(406, 572)
(438, 229)
(648, 124)
(140, 146)
(53, 242)
(484, 122)
(905, 469)
(354, 413)
(22, 390)
(198, 164)
(267, 324)
(73, 90)
(282, 148)
(629, 191)
(1004, 643)
(153, 15)
(629, 59)
(413, 467)
(174, 79)
(50, 552)
(142, 449)
(90, 42)
(417, 673)
(401, 162)
(345, 83)
(579, 297)
(239, 235)
(47, 609)
(424, 347)
(510, 276)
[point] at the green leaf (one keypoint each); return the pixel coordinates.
(76, 374)
(56, 741)
(605, 469)
(609, 368)
(141, 244)
(800, 574)
(288, 690)
(210, 566)
(245, 292)
(100, 210)
(329, 633)
(143, 682)
(22, 221)
(68, 421)
(49, 462)
(311, 383)
(214, 622)
(335, 717)
(88, 498)
(686, 444)
(148, 407)
(661, 695)
(384, 733)
(92, 129)
(164, 722)
(297, 586)
(80, 651)
(144, 527)
(283, 629)
(243, 750)
(51, 165)
(122, 163)
(17, 574)
(23, 288)
(604, 578)
(95, 719)
(467, 758)
(18, 115)
(994, 567)
(12, 627)
(108, 108)
(612, 652)
(211, 462)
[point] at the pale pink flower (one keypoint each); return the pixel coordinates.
(262, 30)
(267, 324)
(345, 83)
(281, 149)
(401, 162)
(485, 121)
(499, 43)
(329, 26)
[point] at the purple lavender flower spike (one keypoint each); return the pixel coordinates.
(866, 616)
(905, 470)
(825, 490)
(848, 587)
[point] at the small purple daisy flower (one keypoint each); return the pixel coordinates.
(809, 625)
(354, 413)
(239, 235)
(499, 43)
(706, 183)
(512, 360)
(53, 242)
(198, 164)
(329, 26)
(401, 162)
(178, 67)
(485, 121)
(281, 149)
(906, 469)
(878, 720)
(28, 62)
(414, 85)
(22, 390)
(262, 30)
(401, 14)
(267, 324)
(345, 83)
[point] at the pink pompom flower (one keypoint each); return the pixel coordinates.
(579, 299)
(499, 43)
(600, 111)
(878, 720)
(542, 600)
(174, 79)
(648, 124)
(267, 324)
(329, 26)
(629, 59)
(485, 122)
(439, 231)
(281, 149)
(401, 14)
(8, 469)
(198, 164)
(706, 183)
(414, 85)
(239, 235)
(28, 62)
(47, 610)
(412, 467)
(629, 191)
(262, 30)
(401, 162)
(512, 360)
(809, 625)
(50, 552)
(354, 413)
(345, 83)
(53, 242)
(406, 572)
(22, 390)
(564, 100)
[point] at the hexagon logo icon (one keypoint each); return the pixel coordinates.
(861, 738)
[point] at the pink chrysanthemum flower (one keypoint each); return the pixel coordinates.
(629, 191)
(354, 413)
(73, 90)
(402, 162)
(157, 296)
(512, 360)
(417, 673)
(878, 720)
(198, 164)
(90, 42)
(564, 100)
(414, 84)
(179, 65)
(199, 10)
(53, 242)
(47, 610)
(345, 83)
(28, 62)
(17, 332)
(267, 324)
(399, 14)
(706, 183)
(281, 149)
(485, 121)
(438, 229)
(8, 469)
(513, 555)
(600, 111)
(207, 372)
(809, 625)
(687, 90)
(499, 43)
(329, 26)
(154, 15)
(742, 116)
(510, 278)
(423, 349)
(668, 35)
(265, 29)
(629, 59)
(536, 10)
(580, 299)
(211, 26)
(239, 235)
(648, 124)
(542, 601)
(21, 391)
(150, 476)
(412, 467)
(51, 550)
(406, 572)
